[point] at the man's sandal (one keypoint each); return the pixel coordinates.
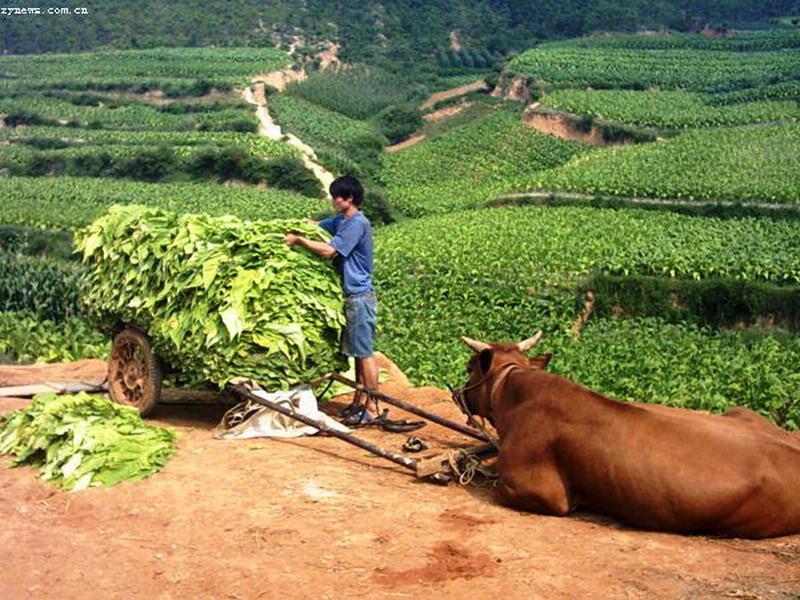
(414, 444)
(364, 419)
(361, 418)
(351, 409)
(401, 425)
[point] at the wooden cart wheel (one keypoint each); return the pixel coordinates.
(134, 373)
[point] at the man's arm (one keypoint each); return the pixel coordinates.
(324, 249)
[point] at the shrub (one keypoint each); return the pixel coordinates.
(148, 164)
(89, 164)
(376, 206)
(397, 123)
(18, 117)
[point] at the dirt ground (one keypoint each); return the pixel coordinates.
(452, 93)
(413, 140)
(560, 127)
(315, 517)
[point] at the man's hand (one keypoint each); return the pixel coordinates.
(323, 249)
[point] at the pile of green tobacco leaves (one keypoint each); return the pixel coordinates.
(81, 440)
(219, 296)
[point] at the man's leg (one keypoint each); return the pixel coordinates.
(369, 373)
(358, 397)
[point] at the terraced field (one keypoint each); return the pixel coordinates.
(176, 70)
(180, 141)
(71, 202)
(752, 163)
(471, 164)
(669, 109)
(501, 274)
(316, 125)
(673, 62)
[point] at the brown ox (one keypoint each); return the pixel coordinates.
(563, 446)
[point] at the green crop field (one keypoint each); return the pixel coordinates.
(357, 92)
(137, 116)
(649, 360)
(689, 69)
(668, 109)
(502, 274)
(147, 69)
(751, 163)
(71, 202)
(766, 40)
(452, 268)
(471, 164)
(316, 125)
(180, 141)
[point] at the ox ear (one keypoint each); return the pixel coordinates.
(526, 345)
(485, 359)
(541, 361)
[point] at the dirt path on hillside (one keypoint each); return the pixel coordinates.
(317, 518)
(412, 141)
(256, 96)
(452, 93)
(447, 111)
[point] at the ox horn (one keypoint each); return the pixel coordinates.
(474, 344)
(526, 345)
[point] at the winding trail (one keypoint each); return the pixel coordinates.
(268, 128)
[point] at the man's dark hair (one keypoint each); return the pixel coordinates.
(347, 187)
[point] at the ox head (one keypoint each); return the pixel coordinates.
(488, 362)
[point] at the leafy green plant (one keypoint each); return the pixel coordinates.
(219, 296)
(26, 337)
(78, 441)
(71, 202)
(46, 287)
(759, 164)
(501, 273)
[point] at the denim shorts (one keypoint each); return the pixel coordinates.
(360, 311)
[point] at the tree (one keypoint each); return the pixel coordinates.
(397, 123)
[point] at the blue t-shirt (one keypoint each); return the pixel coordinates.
(352, 239)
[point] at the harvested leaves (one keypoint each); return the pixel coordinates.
(219, 296)
(79, 441)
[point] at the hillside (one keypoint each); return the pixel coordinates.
(396, 32)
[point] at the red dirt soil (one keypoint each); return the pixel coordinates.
(318, 518)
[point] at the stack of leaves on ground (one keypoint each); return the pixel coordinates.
(81, 440)
(219, 296)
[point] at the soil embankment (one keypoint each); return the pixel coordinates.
(562, 127)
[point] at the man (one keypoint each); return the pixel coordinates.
(351, 249)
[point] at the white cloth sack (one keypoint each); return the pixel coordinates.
(255, 420)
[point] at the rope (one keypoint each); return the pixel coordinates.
(467, 466)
